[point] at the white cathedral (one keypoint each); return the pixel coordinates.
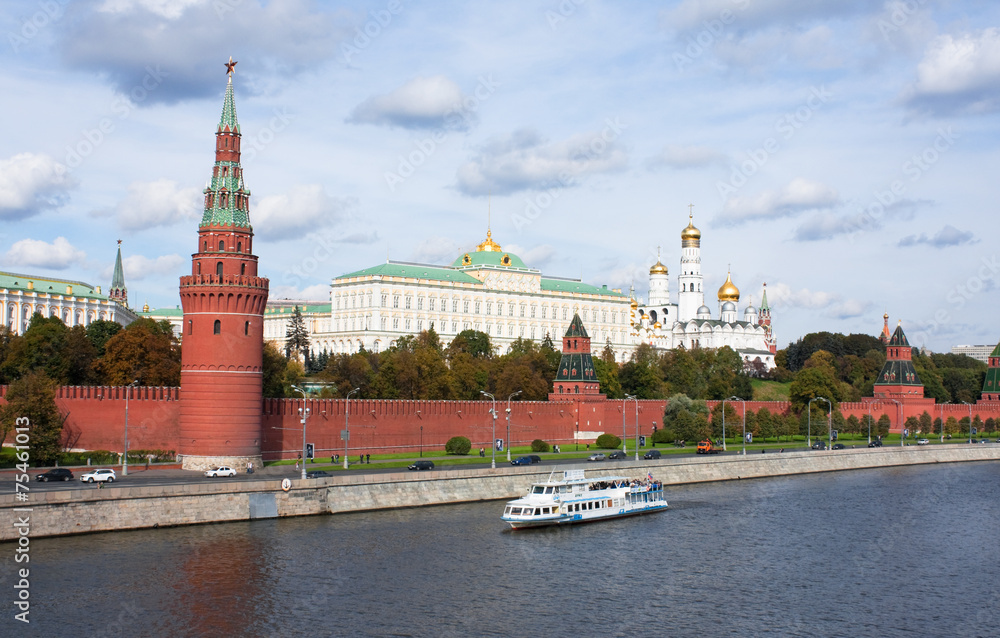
(688, 323)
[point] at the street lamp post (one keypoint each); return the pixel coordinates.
(942, 422)
(628, 397)
(508, 422)
(899, 419)
(869, 422)
(347, 423)
(724, 424)
(970, 419)
(493, 443)
(304, 411)
(809, 419)
(128, 391)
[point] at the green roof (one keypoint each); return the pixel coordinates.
(316, 308)
(898, 338)
(996, 351)
(488, 258)
(48, 285)
(417, 271)
(162, 312)
(576, 328)
(228, 119)
(576, 367)
(577, 287)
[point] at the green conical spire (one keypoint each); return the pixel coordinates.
(763, 300)
(118, 291)
(228, 119)
(227, 201)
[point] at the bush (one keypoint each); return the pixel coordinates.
(663, 435)
(539, 445)
(608, 442)
(458, 445)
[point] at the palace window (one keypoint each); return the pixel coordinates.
(408, 300)
(430, 304)
(395, 301)
(384, 320)
(420, 325)
(489, 307)
(385, 300)
(477, 307)
(565, 310)
(510, 310)
(420, 303)
(532, 312)
(454, 327)
(395, 323)
(543, 311)
(465, 307)
(454, 305)
(522, 310)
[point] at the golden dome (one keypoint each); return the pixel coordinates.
(489, 246)
(728, 291)
(635, 304)
(690, 233)
(658, 269)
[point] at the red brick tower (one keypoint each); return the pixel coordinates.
(898, 378)
(223, 301)
(576, 374)
(764, 320)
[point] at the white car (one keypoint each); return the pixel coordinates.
(222, 470)
(922, 441)
(101, 476)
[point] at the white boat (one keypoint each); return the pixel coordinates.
(577, 499)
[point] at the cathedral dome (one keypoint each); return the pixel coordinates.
(728, 291)
(749, 311)
(690, 235)
(729, 307)
(704, 312)
(658, 269)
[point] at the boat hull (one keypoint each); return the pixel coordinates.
(578, 518)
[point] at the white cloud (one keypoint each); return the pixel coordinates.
(744, 14)
(170, 9)
(437, 250)
(960, 73)
(780, 296)
(536, 257)
(34, 253)
(686, 157)
(138, 267)
(796, 197)
(32, 183)
(159, 203)
(524, 160)
(423, 102)
(947, 236)
(303, 209)
(319, 293)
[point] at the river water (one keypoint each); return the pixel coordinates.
(911, 551)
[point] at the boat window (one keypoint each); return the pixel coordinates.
(515, 510)
(548, 490)
(538, 490)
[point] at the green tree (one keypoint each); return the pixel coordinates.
(42, 347)
(641, 375)
(926, 423)
(811, 383)
(297, 336)
(31, 400)
(146, 351)
(766, 424)
(100, 331)
(477, 344)
(459, 445)
(274, 371)
(607, 376)
(884, 422)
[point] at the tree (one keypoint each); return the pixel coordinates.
(477, 344)
(459, 445)
(766, 424)
(273, 371)
(146, 351)
(31, 402)
(853, 425)
(912, 424)
(926, 423)
(297, 336)
(884, 422)
(41, 347)
(100, 331)
(811, 383)
(607, 376)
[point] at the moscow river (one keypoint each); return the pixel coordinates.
(911, 551)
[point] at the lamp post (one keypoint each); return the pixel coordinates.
(724, 424)
(421, 441)
(869, 422)
(628, 397)
(970, 419)
(508, 422)
(347, 423)
(899, 419)
(809, 419)
(942, 422)
(493, 442)
(128, 391)
(744, 406)
(304, 411)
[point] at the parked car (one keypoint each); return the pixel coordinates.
(521, 460)
(839, 446)
(56, 474)
(652, 454)
(318, 474)
(222, 470)
(101, 476)
(617, 455)
(819, 445)
(875, 443)
(596, 456)
(421, 465)
(922, 441)
(535, 458)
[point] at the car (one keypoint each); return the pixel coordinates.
(318, 474)
(922, 441)
(535, 458)
(421, 465)
(521, 460)
(222, 470)
(875, 443)
(101, 476)
(56, 474)
(652, 454)
(617, 455)
(839, 446)
(596, 456)
(819, 445)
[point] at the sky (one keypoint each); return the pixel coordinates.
(838, 150)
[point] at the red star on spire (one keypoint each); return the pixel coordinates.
(230, 66)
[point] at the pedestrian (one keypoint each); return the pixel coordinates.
(361, 458)
(368, 458)
(147, 462)
(482, 453)
(296, 464)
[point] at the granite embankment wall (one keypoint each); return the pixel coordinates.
(91, 510)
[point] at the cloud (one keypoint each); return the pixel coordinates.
(320, 293)
(524, 160)
(959, 74)
(437, 250)
(30, 184)
(159, 51)
(681, 157)
(303, 209)
(536, 257)
(158, 203)
(34, 253)
(360, 238)
(831, 304)
(423, 102)
(826, 225)
(796, 197)
(138, 267)
(947, 236)
(746, 14)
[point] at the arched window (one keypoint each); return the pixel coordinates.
(243, 269)
(217, 329)
(199, 267)
(246, 328)
(218, 269)
(190, 326)
(576, 389)
(222, 245)
(239, 246)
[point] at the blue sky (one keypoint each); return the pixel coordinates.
(841, 151)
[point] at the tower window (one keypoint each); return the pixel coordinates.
(243, 269)
(222, 245)
(190, 326)
(199, 267)
(239, 246)
(217, 329)
(246, 328)
(218, 269)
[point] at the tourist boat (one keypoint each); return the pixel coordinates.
(577, 499)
